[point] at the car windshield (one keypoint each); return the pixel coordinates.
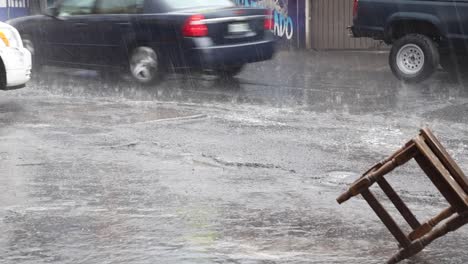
(185, 4)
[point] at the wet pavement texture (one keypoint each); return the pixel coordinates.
(205, 170)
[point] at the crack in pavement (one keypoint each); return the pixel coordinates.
(174, 119)
(255, 165)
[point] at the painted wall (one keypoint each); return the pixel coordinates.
(13, 8)
(288, 17)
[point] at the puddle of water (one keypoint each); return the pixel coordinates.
(335, 178)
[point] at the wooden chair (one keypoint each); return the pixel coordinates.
(444, 174)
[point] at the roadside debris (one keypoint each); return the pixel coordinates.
(444, 173)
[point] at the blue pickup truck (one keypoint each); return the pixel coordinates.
(423, 33)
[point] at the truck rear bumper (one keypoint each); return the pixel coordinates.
(367, 32)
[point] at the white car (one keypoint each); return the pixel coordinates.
(16, 62)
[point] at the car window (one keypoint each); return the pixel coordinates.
(119, 6)
(184, 4)
(76, 7)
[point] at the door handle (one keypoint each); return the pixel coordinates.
(80, 25)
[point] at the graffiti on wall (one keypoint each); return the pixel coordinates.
(284, 26)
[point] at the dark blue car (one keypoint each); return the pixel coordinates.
(149, 37)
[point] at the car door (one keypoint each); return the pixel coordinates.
(69, 35)
(113, 23)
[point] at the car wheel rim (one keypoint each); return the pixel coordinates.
(144, 64)
(410, 59)
(29, 46)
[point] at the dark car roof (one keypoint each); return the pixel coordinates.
(156, 6)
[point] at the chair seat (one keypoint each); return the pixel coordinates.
(440, 175)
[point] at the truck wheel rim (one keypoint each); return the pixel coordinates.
(410, 59)
(143, 64)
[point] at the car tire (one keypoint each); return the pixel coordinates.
(3, 77)
(29, 45)
(414, 58)
(229, 71)
(145, 66)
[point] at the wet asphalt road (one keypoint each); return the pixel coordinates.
(203, 170)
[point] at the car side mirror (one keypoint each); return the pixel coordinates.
(52, 11)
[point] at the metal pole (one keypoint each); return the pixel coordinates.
(307, 24)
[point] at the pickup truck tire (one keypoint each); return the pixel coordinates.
(3, 79)
(414, 58)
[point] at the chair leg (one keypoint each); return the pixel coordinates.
(386, 219)
(401, 157)
(367, 181)
(418, 245)
(399, 204)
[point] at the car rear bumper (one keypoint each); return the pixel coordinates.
(212, 57)
(17, 63)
